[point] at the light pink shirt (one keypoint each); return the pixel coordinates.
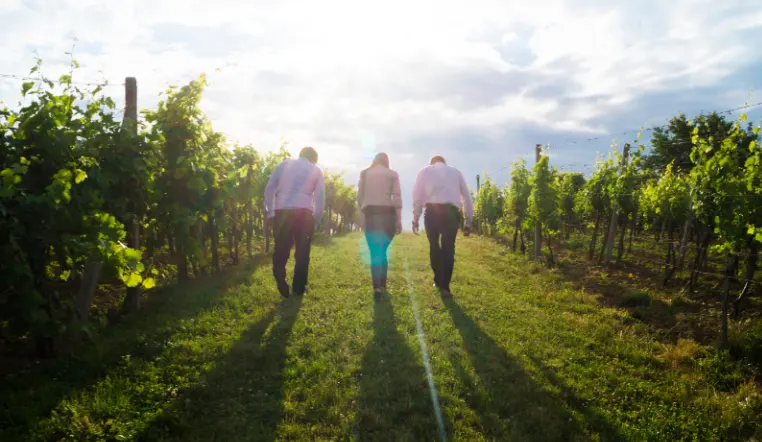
(442, 184)
(296, 184)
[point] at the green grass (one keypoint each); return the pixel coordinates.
(521, 353)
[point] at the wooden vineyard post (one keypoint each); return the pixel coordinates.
(537, 227)
(130, 127)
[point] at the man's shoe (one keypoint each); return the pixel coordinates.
(446, 294)
(377, 294)
(284, 290)
(302, 293)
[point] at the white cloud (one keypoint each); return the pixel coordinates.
(336, 73)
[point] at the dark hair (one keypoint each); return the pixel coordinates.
(381, 158)
(437, 159)
(310, 154)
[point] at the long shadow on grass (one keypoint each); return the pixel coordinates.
(512, 406)
(241, 398)
(593, 418)
(394, 403)
(27, 399)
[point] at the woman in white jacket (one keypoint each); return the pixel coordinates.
(380, 202)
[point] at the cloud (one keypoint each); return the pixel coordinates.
(480, 82)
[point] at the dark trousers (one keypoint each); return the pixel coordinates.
(292, 228)
(442, 222)
(380, 228)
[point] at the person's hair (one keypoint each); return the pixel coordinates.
(310, 154)
(437, 159)
(381, 158)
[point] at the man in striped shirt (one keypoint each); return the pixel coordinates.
(295, 202)
(442, 190)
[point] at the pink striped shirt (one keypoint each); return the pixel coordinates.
(442, 184)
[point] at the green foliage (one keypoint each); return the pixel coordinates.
(725, 184)
(721, 371)
(673, 144)
(701, 182)
(625, 187)
(745, 342)
(667, 198)
(340, 202)
(52, 201)
(595, 198)
(517, 201)
(543, 200)
(147, 201)
(569, 185)
(182, 134)
(489, 205)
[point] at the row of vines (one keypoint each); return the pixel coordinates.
(95, 209)
(696, 192)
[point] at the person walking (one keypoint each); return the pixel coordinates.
(294, 204)
(442, 190)
(380, 202)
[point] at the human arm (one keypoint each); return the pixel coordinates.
(270, 189)
(360, 197)
(397, 199)
(418, 198)
(319, 197)
(468, 202)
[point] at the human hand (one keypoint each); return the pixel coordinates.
(415, 227)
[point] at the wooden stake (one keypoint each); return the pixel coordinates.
(537, 227)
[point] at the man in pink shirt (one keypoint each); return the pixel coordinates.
(295, 203)
(442, 190)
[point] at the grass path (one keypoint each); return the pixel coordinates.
(519, 354)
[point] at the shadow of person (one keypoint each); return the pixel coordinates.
(508, 401)
(241, 398)
(593, 419)
(141, 336)
(395, 402)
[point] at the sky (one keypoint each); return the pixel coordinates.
(480, 82)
